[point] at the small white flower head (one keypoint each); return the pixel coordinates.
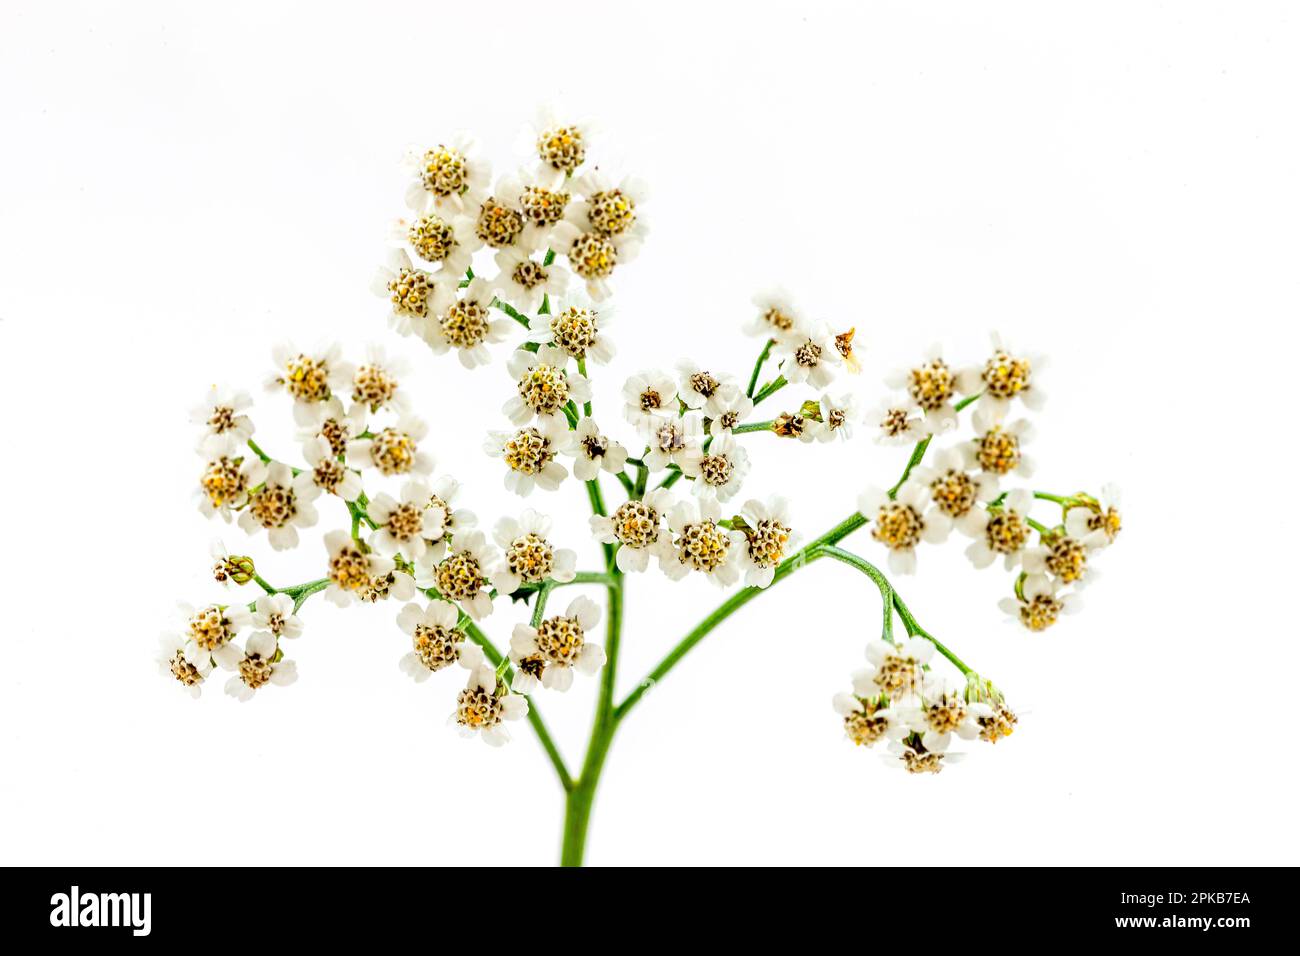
(528, 555)
(445, 494)
(462, 576)
(1063, 556)
(405, 524)
(275, 613)
(549, 653)
(530, 454)
(537, 196)
(374, 383)
(255, 666)
(226, 482)
(795, 425)
(328, 422)
(484, 704)
(414, 296)
(700, 544)
(525, 281)
(578, 326)
(393, 583)
(998, 449)
(838, 414)
(703, 390)
(446, 240)
(543, 385)
(1005, 531)
(560, 142)
(718, 471)
(911, 755)
(777, 317)
(393, 450)
(955, 493)
(448, 178)
(1096, 521)
(469, 325)
(225, 426)
(848, 354)
(498, 225)
(809, 356)
(994, 716)
(1038, 603)
(896, 423)
(309, 377)
(204, 630)
(648, 398)
(436, 640)
(328, 473)
(230, 569)
(902, 523)
(592, 255)
(281, 505)
(769, 539)
(942, 712)
(673, 441)
(1007, 375)
(609, 208)
(732, 412)
(930, 387)
(173, 663)
(637, 527)
(352, 568)
(593, 451)
(869, 719)
(895, 670)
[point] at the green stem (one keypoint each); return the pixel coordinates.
(771, 388)
(752, 427)
(758, 366)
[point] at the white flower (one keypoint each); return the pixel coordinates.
(930, 387)
(592, 255)
(731, 411)
(530, 454)
(282, 505)
(468, 324)
(608, 208)
(838, 412)
(225, 428)
(703, 390)
(415, 296)
(462, 576)
(205, 629)
(911, 756)
(896, 424)
(895, 670)
(308, 377)
(328, 473)
(1005, 376)
(1099, 524)
(1039, 603)
(674, 441)
(844, 345)
(374, 384)
(448, 178)
(446, 491)
(529, 558)
(436, 640)
(902, 523)
(810, 356)
(868, 720)
(1004, 531)
(254, 666)
(998, 449)
(777, 317)
(543, 385)
(328, 422)
(550, 652)
(700, 544)
(449, 240)
(942, 712)
(227, 568)
(537, 196)
(525, 282)
(275, 613)
(393, 450)
(719, 470)
(1064, 557)
(560, 141)
(593, 451)
(226, 482)
(391, 584)
(173, 663)
(637, 528)
(768, 539)
(352, 568)
(403, 525)
(578, 326)
(499, 225)
(955, 493)
(484, 704)
(648, 398)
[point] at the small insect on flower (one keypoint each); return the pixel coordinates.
(255, 666)
(529, 557)
(530, 454)
(352, 568)
(225, 426)
(593, 451)
(224, 486)
(281, 505)
(1006, 376)
(1003, 530)
(810, 356)
(777, 318)
(436, 640)
(543, 385)
(414, 296)
(901, 523)
(484, 704)
(769, 539)
(469, 325)
(954, 493)
(309, 377)
(719, 471)
(275, 613)
(405, 524)
(703, 390)
(701, 544)
(931, 388)
(1038, 603)
(174, 663)
(549, 653)
(448, 178)
(463, 575)
(637, 527)
(393, 450)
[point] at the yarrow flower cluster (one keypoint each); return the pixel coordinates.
(524, 264)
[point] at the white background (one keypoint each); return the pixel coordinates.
(1114, 184)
